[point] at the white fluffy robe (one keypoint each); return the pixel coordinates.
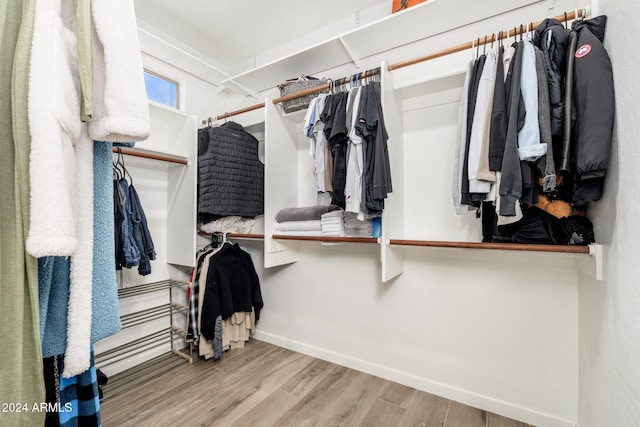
(61, 170)
(120, 109)
(55, 129)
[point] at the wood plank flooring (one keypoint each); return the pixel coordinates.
(264, 385)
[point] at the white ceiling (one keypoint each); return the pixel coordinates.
(232, 33)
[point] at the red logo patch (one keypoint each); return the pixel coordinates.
(583, 51)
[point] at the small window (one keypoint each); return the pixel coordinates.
(161, 89)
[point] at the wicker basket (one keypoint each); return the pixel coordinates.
(298, 85)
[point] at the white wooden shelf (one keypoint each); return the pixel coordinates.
(399, 29)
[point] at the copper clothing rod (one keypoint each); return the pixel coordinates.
(500, 35)
(487, 39)
(133, 152)
(345, 80)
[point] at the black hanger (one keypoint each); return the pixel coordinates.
(520, 32)
(124, 171)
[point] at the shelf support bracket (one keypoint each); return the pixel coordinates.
(347, 48)
(230, 83)
(594, 264)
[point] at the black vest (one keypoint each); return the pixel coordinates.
(230, 174)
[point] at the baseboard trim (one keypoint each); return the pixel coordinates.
(466, 397)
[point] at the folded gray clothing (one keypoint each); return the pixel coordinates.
(304, 213)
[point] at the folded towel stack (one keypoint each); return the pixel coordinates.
(309, 227)
(333, 224)
(355, 228)
(303, 221)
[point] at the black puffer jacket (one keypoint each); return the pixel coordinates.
(552, 38)
(594, 109)
(231, 176)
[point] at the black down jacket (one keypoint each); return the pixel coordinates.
(593, 110)
(552, 38)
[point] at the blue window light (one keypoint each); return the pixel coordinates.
(161, 89)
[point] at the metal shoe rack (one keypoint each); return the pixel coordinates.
(142, 344)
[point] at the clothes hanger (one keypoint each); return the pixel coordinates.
(124, 168)
(119, 166)
(520, 32)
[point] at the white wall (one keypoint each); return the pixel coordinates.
(610, 310)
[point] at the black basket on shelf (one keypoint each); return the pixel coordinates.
(297, 85)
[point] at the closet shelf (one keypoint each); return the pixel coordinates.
(328, 239)
(588, 259)
(239, 236)
(572, 249)
(391, 31)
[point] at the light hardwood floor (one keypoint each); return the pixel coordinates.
(266, 385)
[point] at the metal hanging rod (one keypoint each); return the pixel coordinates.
(513, 32)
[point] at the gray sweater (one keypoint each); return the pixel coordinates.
(511, 182)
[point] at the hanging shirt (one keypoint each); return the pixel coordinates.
(377, 170)
(334, 118)
(529, 146)
(353, 186)
(478, 127)
(460, 146)
(320, 144)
